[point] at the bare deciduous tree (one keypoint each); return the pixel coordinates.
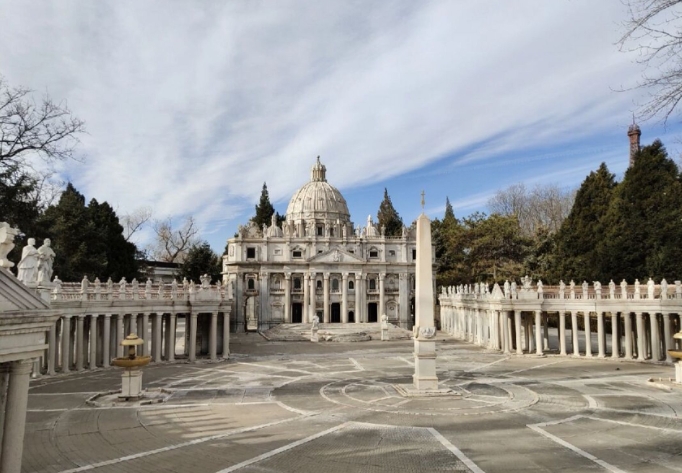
(543, 207)
(654, 31)
(47, 129)
(134, 221)
(171, 244)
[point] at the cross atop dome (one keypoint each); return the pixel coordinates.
(319, 172)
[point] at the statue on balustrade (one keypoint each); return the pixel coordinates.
(507, 288)
(637, 292)
(46, 260)
(539, 286)
(513, 289)
(28, 266)
(7, 234)
(650, 288)
(571, 285)
(527, 283)
(624, 289)
(612, 289)
(586, 289)
(664, 289)
(562, 288)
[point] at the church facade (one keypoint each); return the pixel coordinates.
(318, 263)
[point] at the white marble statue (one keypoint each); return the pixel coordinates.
(586, 289)
(28, 266)
(539, 287)
(314, 328)
(624, 289)
(7, 234)
(637, 289)
(664, 289)
(650, 288)
(46, 257)
(507, 289)
(513, 289)
(384, 328)
(571, 285)
(612, 289)
(597, 289)
(562, 289)
(527, 283)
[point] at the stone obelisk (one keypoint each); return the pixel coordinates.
(425, 378)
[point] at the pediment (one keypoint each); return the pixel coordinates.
(14, 295)
(335, 255)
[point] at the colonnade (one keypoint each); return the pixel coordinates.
(88, 341)
(630, 335)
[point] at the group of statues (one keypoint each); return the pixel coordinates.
(35, 266)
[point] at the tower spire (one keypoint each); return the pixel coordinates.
(634, 133)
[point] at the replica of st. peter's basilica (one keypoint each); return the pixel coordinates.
(318, 263)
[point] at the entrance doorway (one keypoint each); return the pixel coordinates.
(336, 313)
(250, 314)
(351, 316)
(372, 312)
(296, 313)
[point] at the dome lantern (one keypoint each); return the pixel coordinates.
(319, 172)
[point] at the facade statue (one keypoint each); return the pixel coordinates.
(122, 288)
(206, 281)
(571, 285)
(344, 231)
(513, 289)
(612, 289)
(56, 285)
(527, 283)
(148, 286)
(539, 286)
(637, 291)
(562, 289)
(507, 289)
(84, 284)
(110, 286)
(404, 231)
(586, 289)
(46, 260)
(624, 289)
(650, 288)
(7, 234)
(664, 289)
(28, 266)
(597, 289)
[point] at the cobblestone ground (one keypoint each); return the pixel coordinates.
(332, 407)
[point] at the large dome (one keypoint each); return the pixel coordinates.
(318, 200)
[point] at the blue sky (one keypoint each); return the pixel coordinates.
(190, 105)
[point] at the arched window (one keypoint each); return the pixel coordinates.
(372, 284)
(297, 283)
(319, 284)
(335, 285)
(250, 284)
(351, 285)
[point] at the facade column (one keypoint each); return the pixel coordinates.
(106, 340)
(357, 277)
(344, 298)
(306, 298)
(52, 349)
(545, 331)
(226, 335)
(588, 334)
(171, 336)
(640, 336)
(66, 343)
(627, 323)
(313, 298)
(287, 298)
(382, 307)
(325, 287)
(363, 297)
(145, 333)
(15, 416)
(538, 332)
(119, 334)
(193, 336)
(615, 351)
(213, 337)
(93, 341)
(655, 337)
(562, 333)
(601, 335)
(667, 335)
(517, 326)
(80, 338)
(574, 334)
(156, 345)
(505, 330)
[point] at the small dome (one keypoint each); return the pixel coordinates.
(318, 200)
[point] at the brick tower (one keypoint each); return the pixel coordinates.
(634, 133)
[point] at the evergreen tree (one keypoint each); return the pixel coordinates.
(201, 260)
(644, 221)
(579, 253)
(264, 209)
(118, 254)
(388, 217)
(449, 212)
(448, 239)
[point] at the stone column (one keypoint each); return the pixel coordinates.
(588, 334)
(382, 306)
(313, 298)
(640, 337)
(601, 335)
(15, 416)
(358, 278)
(80, 338)
(505, 330)
(51, 349)
(145, 333)
(517, 326)
(574, 334)
(562, 333)
(496, 329)
(287, 298)
(667, 335)
(93, 341)
(326, 297)
(226, 335)
(538, 332)
(344, 298)
(156, 346)
(119, 334)
(627, 322)
(171, 336)
(545, 331)
(4, 382)
(655, 337)
(306, 298)
(363, 298)
(193, 337)
(213, 337)
(106, 340)
(615, 352)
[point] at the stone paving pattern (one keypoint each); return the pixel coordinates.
(332, 407)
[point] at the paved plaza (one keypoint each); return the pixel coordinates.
(332, 407)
